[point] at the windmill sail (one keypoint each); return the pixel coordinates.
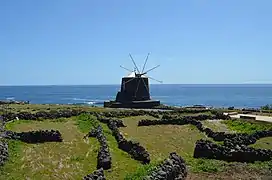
(135, 88)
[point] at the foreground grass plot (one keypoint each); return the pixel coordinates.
(76, 157)
(72, 158)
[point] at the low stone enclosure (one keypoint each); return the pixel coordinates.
(96, 175)
(27, 137)
(3, 152)
(136, 151)
(35, 136)
(234, 148)
(103, 157)
(173, 168)
(54, 114)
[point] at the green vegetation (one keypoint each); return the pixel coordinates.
(85, 122)
(76, 157)
(267, 107)
(247, 126)
(71, 159)
(142, 171)
(206, 165)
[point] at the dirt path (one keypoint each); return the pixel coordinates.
(216, 125)
(257, 117)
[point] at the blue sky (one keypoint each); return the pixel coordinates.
(85, 41)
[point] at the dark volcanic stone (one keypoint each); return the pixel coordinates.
(173, 168)
(230, 152)
(3, 152)
(96, 175)
(136, 151)
(35, 136)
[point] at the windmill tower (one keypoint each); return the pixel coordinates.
(134, 91)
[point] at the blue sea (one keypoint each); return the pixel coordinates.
(251, 96)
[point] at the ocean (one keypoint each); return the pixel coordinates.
(251, 96)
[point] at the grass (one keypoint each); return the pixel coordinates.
(71, 159)
(247, 126)
(163, 139)
(122, 163)
(75, 157)
(216, 126)
(85, 122)
(48, 107)
(142, 171)
(264, 143)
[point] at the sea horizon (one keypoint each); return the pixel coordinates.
(216, 95)
(193, 84)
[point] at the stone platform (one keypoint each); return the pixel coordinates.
(132, 104)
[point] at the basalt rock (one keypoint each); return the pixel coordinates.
(35, 136)
(182, 120)
(3, 152)
(173, 168)
(119, 123)
(237, 153)
(246, 139)
(103, 157)
(120, 114)
(136, 151)
(96, 175)
(53, 114)
(238, 138)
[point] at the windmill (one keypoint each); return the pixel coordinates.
(135, 88)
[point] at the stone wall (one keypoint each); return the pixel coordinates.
(3, 152)
(103, 157)
(136, 151)
(96, 175)
(173, 168)
(238, 153)
(40, 136)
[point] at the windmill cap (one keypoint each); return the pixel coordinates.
(133, 74)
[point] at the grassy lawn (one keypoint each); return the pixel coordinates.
(160, 140)
(75, 157)
(72, 158)
(247, 126)
(217, 126)
(48, 107)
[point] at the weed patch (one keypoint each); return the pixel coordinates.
(249, 127)
(85, 122)
(142, 171)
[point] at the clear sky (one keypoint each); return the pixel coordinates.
(53, 42)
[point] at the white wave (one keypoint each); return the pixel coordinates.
(80, 99)
(90, 103)
(10, 98)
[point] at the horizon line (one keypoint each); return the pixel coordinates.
(149, 84)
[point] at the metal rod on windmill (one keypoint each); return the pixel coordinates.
(135, 88)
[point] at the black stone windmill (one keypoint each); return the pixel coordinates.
(134, 89)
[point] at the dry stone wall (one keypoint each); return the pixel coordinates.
(136, 151)
(238, 153)
(173, 168)
(96, 175)
(3, 152)
(40, 136)
(103, 157)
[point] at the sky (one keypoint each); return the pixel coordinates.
(84, 42)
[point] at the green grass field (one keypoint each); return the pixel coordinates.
(75, 157)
